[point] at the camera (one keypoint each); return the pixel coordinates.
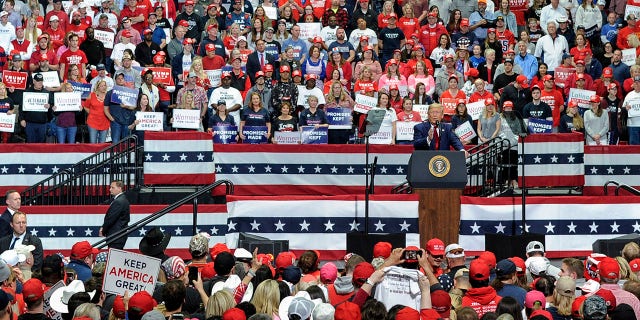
(412, 254)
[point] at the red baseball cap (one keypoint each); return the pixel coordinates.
(259, 74)
(82, 250)
(187, 41)
(268, 68)
(607, 72)
(184, 23)
(382, 249)
(296, 73)
(608, 267)
(142, 301)
(285, 69)
(32, 290)
(126, 34)
(285, 259)
(522, 80)
(479, 270)
(189, 3)
(210, 47)
(435, 247)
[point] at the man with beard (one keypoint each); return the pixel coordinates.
(77, 26)
(146, 49)
(73, 56)
(159, 36)
(344, 47)
(93, 49)
(42, 50)
(105, 9)
(283, 90)
(194, 23)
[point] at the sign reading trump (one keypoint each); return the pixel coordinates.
(127, 271)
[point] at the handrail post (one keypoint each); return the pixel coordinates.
(195, 215)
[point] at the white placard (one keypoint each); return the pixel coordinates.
(167, 31)
(365, 103)
(423, 109)
(629, 56)
(309, 30)
(150, 121)
(106, 37)
(634, 106)
(51, 79)
(271, 12)
(403, 91)
(581, 96)
(404, 130)
(67, 101)
(465, 132)
(632, 9)
(186, 119)
(66, 6)
(383, 136)
(214, 77)
(7, 122)
(47, 310)
(128, 271)
(287, 137)
(35, 101)
(474, 109)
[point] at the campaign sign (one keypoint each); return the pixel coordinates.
(186, 118)
(124, 95)
(537, 125)
(67, 101)
(271, 12)
(286, 137)
(150, 121)
(7, 122)
(339, 118)
(383, 136)
(365, 103)
(629, 9)
(15, 79)
(255, 134)
(83, 88)
(47, 310)
(518, 5)
(561, 75)
(51, 79)
(475, 109)
(634, 106)
(106, 37)
(162, 75)
(128, 271)
(581, 96)
(225, 134)
(423, 110)
(313, 135)
(309, 30)
(449, 105)
(404, 130)
(214, 77)
(629, 56)
(465, 132)
(35, 101)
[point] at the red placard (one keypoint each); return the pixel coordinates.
(15, 79)
(162, 75)
(561, 74)
(449, 105)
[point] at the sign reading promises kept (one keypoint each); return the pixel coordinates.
(130, 271)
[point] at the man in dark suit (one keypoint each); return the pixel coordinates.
(20, 236)
(117, 217)
(435, 135)
(13, 201)
(257, 59)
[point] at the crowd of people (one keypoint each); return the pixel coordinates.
(283, 64)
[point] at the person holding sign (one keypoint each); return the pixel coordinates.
(255, 115)
(596, 123)
(143, 106)
(284, 122)
(435, 135)
(536, 108)
(6, 107)
(453, 91)
(312, 116)
(34, 120)
(338, 97)
(220, 118)
(66, 127)
(462, 116)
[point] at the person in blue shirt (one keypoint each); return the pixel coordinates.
(526, 61)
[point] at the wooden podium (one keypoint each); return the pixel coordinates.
(438, 177)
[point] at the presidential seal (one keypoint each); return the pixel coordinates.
(439, 166)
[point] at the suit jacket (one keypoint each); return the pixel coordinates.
(29, 239)
(5, 220)
(253, 64)
(448, 138)
(117, 217)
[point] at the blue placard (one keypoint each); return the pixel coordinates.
(313, 135)
(85, 88)
(537, 125)
(339, 118)
(124, 95)
(255, 134)
(225, 134)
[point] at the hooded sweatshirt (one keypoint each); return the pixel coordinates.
(482, 300)
(341, 290)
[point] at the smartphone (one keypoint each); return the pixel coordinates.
(193, 274)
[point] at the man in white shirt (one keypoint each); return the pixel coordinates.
(231, 95)
(7, 31)
(551, 47)
(550, 13)
(363, 31)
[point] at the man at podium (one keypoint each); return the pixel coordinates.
(435, 135)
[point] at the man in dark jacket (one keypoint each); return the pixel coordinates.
(117, 217)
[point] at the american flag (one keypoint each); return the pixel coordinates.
(605, 163)
(23, 165)
(570, 224)
(321, 223)
(554, 159)
(309, 169)
(59, 227)
(178, 158)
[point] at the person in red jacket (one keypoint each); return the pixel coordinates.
(481, 297)
(431, 32)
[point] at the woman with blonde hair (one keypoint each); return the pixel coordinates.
(383, 17)
(365, 81)
(571, 121)
(562, 298)
(97, 121)
(6, 106)
(202, 79)
(421, 75)
(489, 123)
(31, 30)
(218, 303)
(266, 298)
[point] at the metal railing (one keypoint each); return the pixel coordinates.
(488, 168)
(87, 182)
(159, 214)
(619, 186)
